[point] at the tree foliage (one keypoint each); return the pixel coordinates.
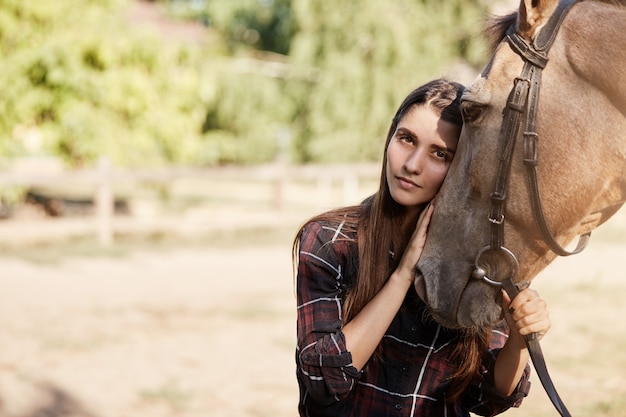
(320, 78)
(370, 54)
(91, 86)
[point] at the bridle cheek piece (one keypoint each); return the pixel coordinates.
(521, 107)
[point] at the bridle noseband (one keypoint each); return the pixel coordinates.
(522, 106)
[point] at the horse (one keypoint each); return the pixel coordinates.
(492, 222)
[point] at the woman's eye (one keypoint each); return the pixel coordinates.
(471, 111)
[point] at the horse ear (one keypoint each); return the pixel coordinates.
(533, 14)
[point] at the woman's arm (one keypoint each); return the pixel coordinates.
(365, 331)
(526, 314)
(330, 353)
(324, 366)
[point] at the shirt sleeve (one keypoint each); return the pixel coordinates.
(324, 364)
(482, 398)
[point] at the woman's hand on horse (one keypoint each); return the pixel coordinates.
(527, 313)
(406, 268)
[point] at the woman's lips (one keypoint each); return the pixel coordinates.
(407, 184)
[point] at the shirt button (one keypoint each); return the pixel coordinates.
(414, 328)
(398, 406)
(405, 368)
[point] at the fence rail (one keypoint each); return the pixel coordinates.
(102, 182)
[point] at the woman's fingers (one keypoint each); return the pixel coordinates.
(417, 242)
(527, 313)
(537, 324)
(422, 225)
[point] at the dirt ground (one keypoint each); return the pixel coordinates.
(209, 331)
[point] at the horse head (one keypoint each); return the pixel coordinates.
(578, 137)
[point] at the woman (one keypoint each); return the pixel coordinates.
(366, 343)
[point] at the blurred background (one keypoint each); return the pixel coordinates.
(133, 108)
(156, 160)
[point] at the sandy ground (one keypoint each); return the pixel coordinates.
(209, 331)
(195, 332)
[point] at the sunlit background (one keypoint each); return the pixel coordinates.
(156, 160)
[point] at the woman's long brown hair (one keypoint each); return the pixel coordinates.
(380, 225)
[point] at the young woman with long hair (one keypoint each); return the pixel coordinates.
(367, 345)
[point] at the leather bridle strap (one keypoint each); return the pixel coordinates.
(536, 58)
(536, 356)
(524, 99)
(513, 113)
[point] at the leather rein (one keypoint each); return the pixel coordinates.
(522, 107)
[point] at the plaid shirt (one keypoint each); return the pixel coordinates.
(412, 377)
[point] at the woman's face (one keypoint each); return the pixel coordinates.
(419, 155)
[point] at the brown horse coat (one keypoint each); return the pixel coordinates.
(581, 123)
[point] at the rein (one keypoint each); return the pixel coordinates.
(522, 106)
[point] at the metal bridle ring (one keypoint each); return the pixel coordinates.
(480, 273)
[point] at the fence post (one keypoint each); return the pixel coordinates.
(105, 203)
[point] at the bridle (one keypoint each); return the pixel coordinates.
(521, 107)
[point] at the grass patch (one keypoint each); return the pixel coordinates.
(54, 251)
(169, 394)
(614, 407)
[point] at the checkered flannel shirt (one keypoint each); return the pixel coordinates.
(412, 377)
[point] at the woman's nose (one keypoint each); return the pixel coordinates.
(414, 162)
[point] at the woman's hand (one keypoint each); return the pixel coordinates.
(526, 314)
(365, 331)
(406, 268)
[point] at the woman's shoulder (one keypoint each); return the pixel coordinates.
(330, 241)
(329, 231)
(334, 231)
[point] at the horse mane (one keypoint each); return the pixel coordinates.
(496, 26)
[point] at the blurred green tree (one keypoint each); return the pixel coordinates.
(267, 25)
(126, 95)
(349, 64)
(369, 54)
(319, 78)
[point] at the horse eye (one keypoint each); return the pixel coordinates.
(471, 111)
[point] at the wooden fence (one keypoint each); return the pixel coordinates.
(104, 179)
